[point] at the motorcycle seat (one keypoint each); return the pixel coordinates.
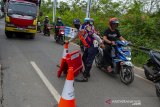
(155, 56)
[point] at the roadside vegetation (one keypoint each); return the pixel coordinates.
(139, 20)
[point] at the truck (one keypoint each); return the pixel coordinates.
(21, 17)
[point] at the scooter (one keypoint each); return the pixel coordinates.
(60, 38)
(121, 61)
(152, 69)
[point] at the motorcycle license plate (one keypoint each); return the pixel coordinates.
(128, 63)
(126, 48)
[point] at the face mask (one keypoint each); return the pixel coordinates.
(91, 23)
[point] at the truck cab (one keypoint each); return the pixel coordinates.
(21, 16)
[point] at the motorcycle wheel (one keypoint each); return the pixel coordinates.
(48, 33)
(98, 58)
(148, 76)
(126, 75)
(157, 86)
(157, 92)
(62, 39)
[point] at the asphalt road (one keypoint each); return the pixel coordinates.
(23, 87)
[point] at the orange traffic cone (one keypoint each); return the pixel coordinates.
(68, 95)
(63, 64)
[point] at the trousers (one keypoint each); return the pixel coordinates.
(88, 58)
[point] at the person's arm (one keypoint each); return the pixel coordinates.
(121, 38)
(106, 40)
(96, 37)
(73, 39)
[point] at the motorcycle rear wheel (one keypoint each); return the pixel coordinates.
(126, 75)
(148, 76)
(62, 39)
(157, 86)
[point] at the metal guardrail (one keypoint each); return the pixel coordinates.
(143, 49)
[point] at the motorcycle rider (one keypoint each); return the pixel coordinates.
(89, 39)
(111, 34)
(58, 23)
(45, 24)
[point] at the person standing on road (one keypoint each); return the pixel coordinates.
(89, 40)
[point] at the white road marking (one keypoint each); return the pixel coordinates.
(139, 68)
(143, 78)
(51, 88)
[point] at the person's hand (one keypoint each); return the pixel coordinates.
(113, 43)
(102, 46)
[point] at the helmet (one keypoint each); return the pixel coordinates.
(76, 21)
(86, 19)
(59, 18)
(46, 17)
(113, 21)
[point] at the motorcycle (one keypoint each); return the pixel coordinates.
(121, 61)
(46, 30)
(60, 38)
(152, 70)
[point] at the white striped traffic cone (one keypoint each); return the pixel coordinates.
(63, 65)
(68, 95)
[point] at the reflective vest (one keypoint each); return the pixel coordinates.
(85, 35)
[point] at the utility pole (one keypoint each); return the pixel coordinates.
(88, 9)
(54, 9)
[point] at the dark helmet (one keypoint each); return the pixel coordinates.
(86, 20)
(76, 23)
(113, 21)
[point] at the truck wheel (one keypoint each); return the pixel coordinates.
(8, 34)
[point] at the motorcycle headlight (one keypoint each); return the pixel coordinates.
(128, 58)
(62, 33)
